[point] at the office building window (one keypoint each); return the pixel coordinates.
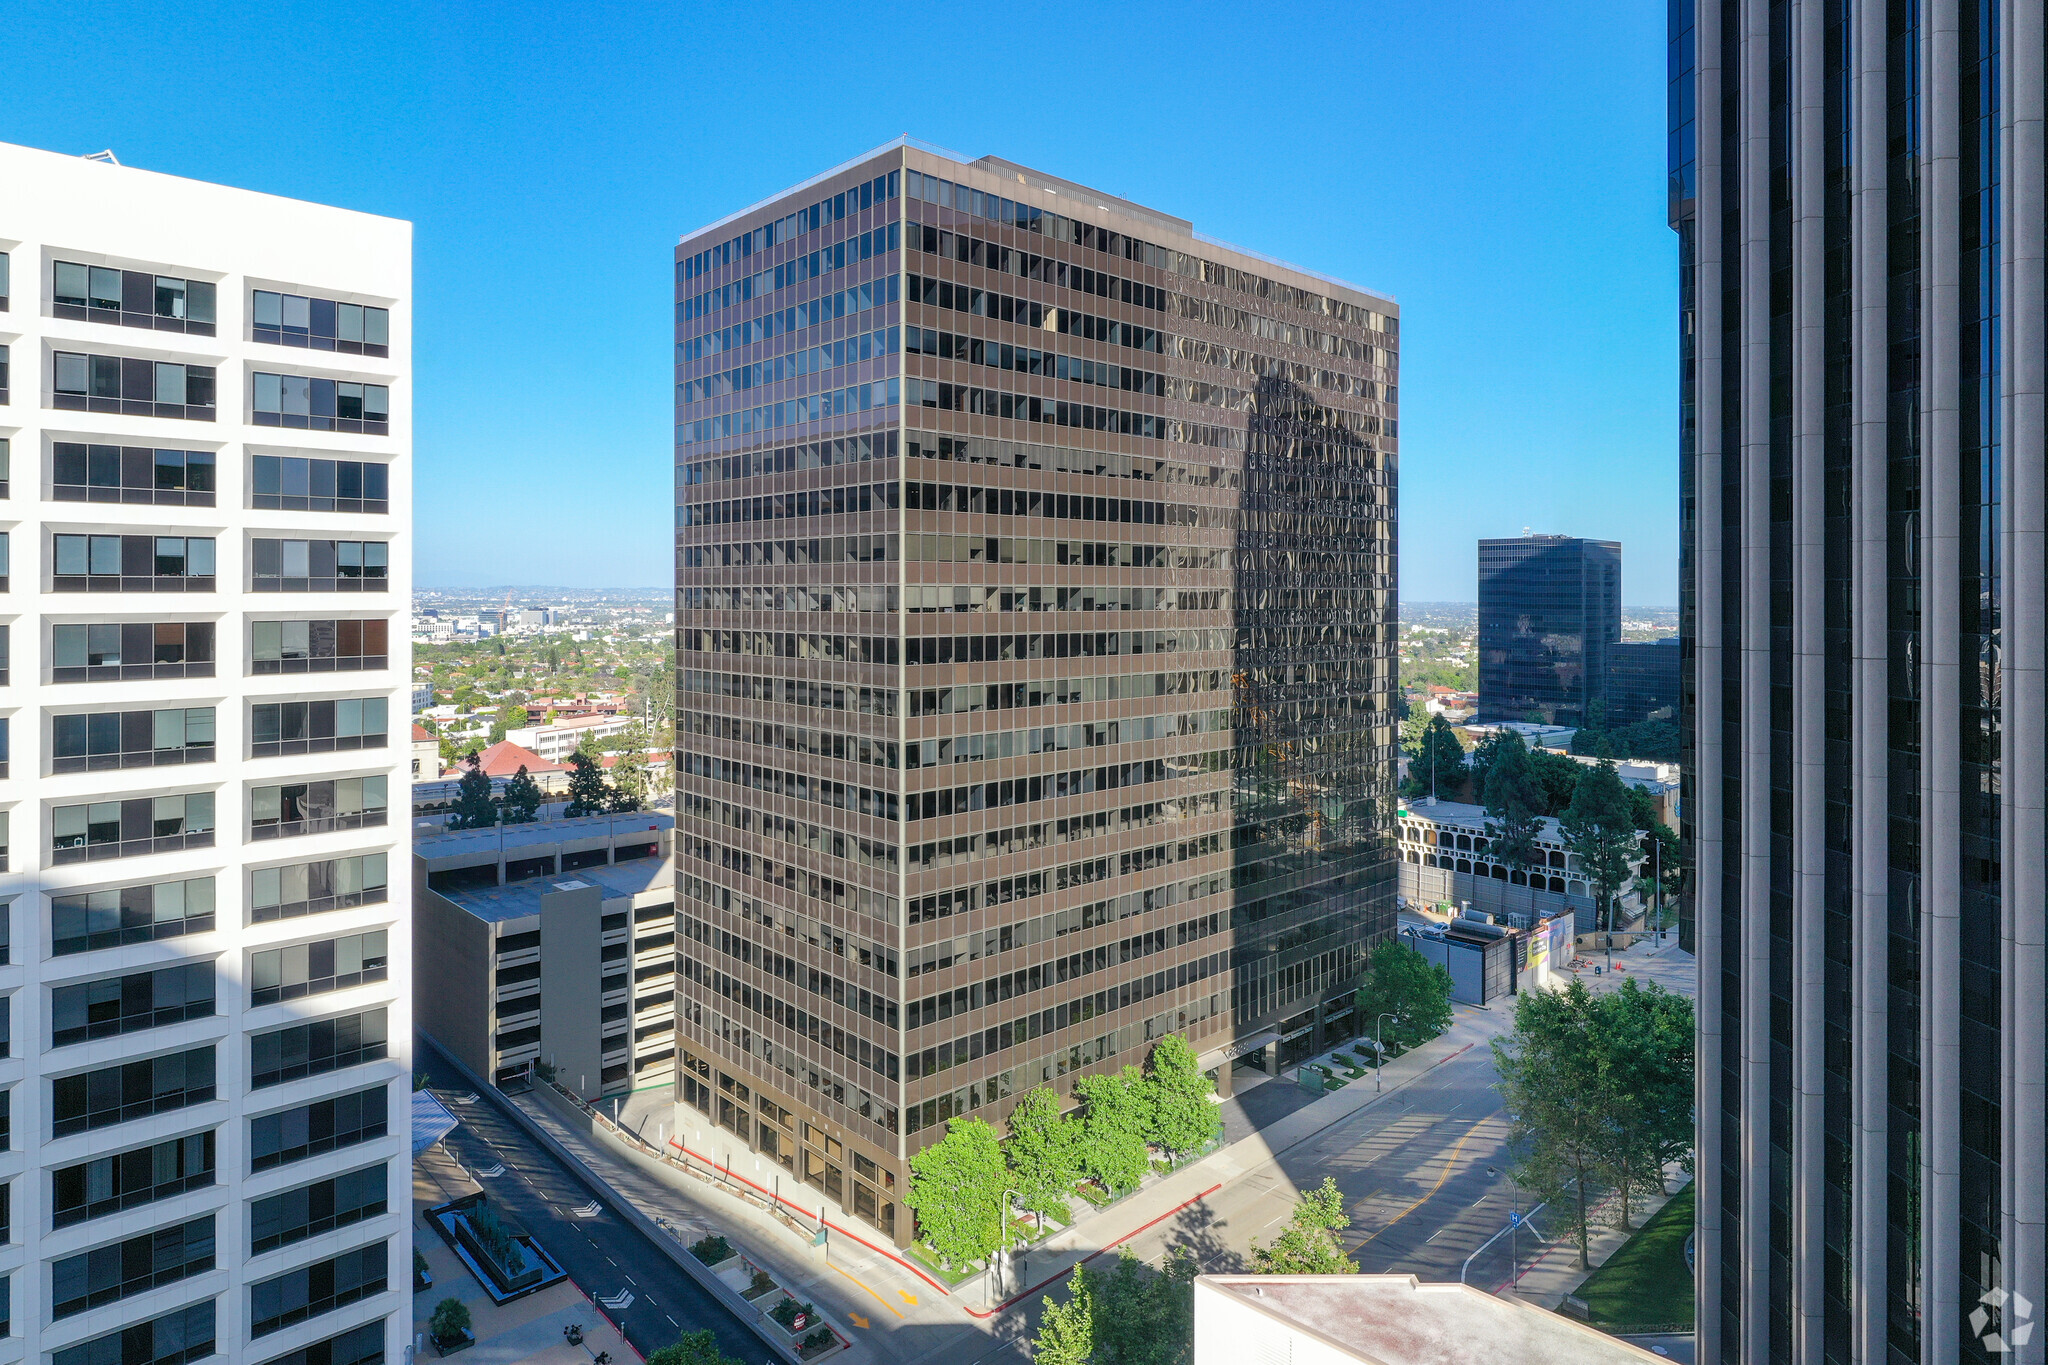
(6, 467)
(149, 1261)
(102, 740)
(139, 388)
(315, 1289)
(320, 324)
(314, 1049)
(318, 565)
(115, 1005)
(112, 652)
(6, 567)
(6, 931)
(3, 840)
(322, 1126)
(173, 1339)
(131, 474)
(319, 1207)
(127, 829)
(300, 889)
(293, 484)
(4, 368)
(111, 563)
(81, 921)
(132, 298)
(126, 1180)
(318, 646)
(315, 807)
(130, 1090)
(308, 404)
(4, 753)
(6, 286)
(316, 727)
(362, 1345)
(6, 1120)
(6, 1026)
(331, 964)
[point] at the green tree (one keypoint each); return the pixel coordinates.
(1044, 1151)
(509, 717)
(450, 1320)
(1600, 830)
(1513, 800)
(1402, 982)
(1126, 1316)
(1551, 1080)
(956, 1187)
(1643, 1037)
(629, 783)
(1184, 1119)
(522, 799)
(473, 806)
(1114, 1127)
(589, 794)
(692, 1348)
(1557, 777)
(1308, 1245)
(1437, 762)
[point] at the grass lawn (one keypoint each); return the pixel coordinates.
(1647, 1281)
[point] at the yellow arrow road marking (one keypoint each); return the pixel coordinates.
(858, 1320)
(908, 1297)
(870, 1293)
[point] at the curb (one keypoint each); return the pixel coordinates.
(1023, 1294)
(742, 1311)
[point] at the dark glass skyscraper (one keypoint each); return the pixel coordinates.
(1035, 574)
(1549, 611)
(1857, 187)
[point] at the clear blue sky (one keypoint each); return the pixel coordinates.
(1497, 167)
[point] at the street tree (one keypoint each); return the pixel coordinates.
(628, 783)
(1599, 828)
(589, 794)
(1184, 1118)
(1044, 1152)
(1551, 1080)
(692, 1348)
(1514, 801)
(522, 799)
(474, 808)
(1402, 982)
(1308, 1245)
(1643, 1037)
(1114, 1127)
(1127, 1316)
(956, 1187)
(1438, 759)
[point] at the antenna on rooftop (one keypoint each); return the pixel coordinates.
(106, 155)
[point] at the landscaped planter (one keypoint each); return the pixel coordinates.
(530, 1271)
(820, 1343)
(448, 1346)
(798, 1323)
(537, 1271)
(761, 1286)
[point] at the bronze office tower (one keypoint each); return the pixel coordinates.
(1858, 191)
(1035, 612)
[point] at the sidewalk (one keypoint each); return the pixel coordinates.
(1553, 1272)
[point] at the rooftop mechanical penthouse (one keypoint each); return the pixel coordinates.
(1035, 611)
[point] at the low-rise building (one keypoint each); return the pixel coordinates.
(552, 943)
(557, 741)
(426, 755)
(1447, 858)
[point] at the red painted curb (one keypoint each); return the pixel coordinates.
(618, 1327)
(1023, 1294)
(843, 1232)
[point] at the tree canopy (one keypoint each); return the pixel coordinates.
(522, 799)
(1126, 1316)
(1599, 828)
(957, 1187)
(474, 808)
(589, 794)
(1308, 1245)
(628, 783)
(1514, 800)
(692, 1348)
(1044, 1151)
(1115, 1127)
(1402, 982)
(1184, 1120)
(1436, 756)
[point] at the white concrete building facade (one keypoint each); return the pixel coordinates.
(208, 425)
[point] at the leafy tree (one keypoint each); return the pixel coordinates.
(1308, 1245)
(629, 783)
(589, 794)
(1557, 777)
(692, 1348)
(1044, 1151)
(450, 1320)
(956, 1187)
(1438, 759)
(522, 799)
(1114, 1127)
(1644, 1041)
(473, 806)
(509, 718)
(1402, 982)
(1126, 1316)
(1600, 830)
(1513, 800)
(1551, 1080)
(1183, 1118)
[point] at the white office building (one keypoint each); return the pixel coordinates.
(205, 407)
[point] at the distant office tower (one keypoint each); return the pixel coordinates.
(1034, 611)
(1549, 610)
(1642, 680)
(202, 662)
(1857, 189)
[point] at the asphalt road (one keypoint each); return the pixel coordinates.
(603, 1255)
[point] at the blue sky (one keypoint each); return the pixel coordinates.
(1498, 168)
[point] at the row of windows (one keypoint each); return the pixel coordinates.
(131, 298)
(176, 1337)
(814, 407)
(816, 696)
(131, 739)
(159, 824)
(131, 1003)
(88, 472)
(846, 994)
(84, 921)
(148, 1261)
(1049, 364)
(996, 843)
(305, 403)
(1039, 317)
(294, 808)
(828, 550)
(125, 1180)
(946, 649)
(840, 450)
(124, 384)
(823, 261)
(319, 324)
(322, 1287)
(111, 652)
(312, 727)
(303, 969)
(792, 365)
(984, 255)
(855, 1049)
(824, 213)
(795, 318)
(319, 1207)
(142, 563)
(846, 500)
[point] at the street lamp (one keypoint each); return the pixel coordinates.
(996, 1267)
(1379, 1060)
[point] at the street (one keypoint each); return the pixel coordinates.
(603, 1255)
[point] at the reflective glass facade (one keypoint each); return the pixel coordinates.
(1549, 615)
(1035, 575)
